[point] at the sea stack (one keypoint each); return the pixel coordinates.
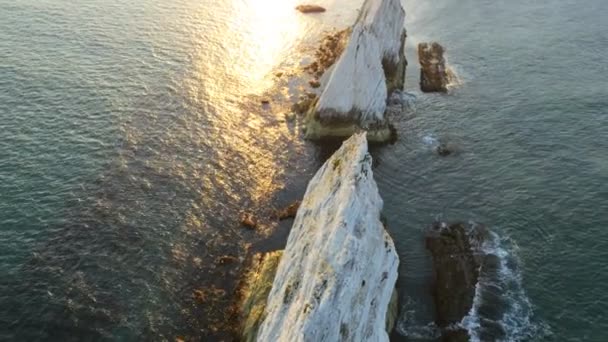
(337, 274)
(434, 76)
(370, 68)
(457, 260)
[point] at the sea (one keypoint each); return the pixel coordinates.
(133, 135)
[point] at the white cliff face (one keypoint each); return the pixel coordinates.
(339, 268)
(358, 83)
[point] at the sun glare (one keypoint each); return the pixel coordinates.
(269, 27)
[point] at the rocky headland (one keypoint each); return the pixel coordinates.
(371, 66)
(336, 277)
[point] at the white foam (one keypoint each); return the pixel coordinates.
(470, 322)
(430, 140)
(516, 320)
(454, 78)
(429, 331)
(402, 98)
(409, 326)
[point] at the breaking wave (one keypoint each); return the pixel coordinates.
(410, 326)
(454, 80)
(501, 308)
(430, 140)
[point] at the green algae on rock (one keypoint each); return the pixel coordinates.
(393, 312)
(316, 130)
(257, 286)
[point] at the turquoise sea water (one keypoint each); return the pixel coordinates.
(132, 136)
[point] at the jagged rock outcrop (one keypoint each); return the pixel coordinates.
(371, 66)
(434, 76)
(338, 271)
(331, 48)
(456, 263)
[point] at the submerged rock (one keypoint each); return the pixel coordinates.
(289, 117)
(249, 221)
(202, 295)
(434, 76)
(371, 66)
(310, 8)
(443, 149)
(226, 259)
(289, 212)
(331, 47)
(456, 265)
(338, 271)
(314, 83)
(304, 103)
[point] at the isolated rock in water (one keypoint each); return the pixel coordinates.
(226, 259)
(371, 66)
(200, 296)
(456, 264)
(434, 76)
(338, 270)
(443, 149)
(310, 9)
(249, 221)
